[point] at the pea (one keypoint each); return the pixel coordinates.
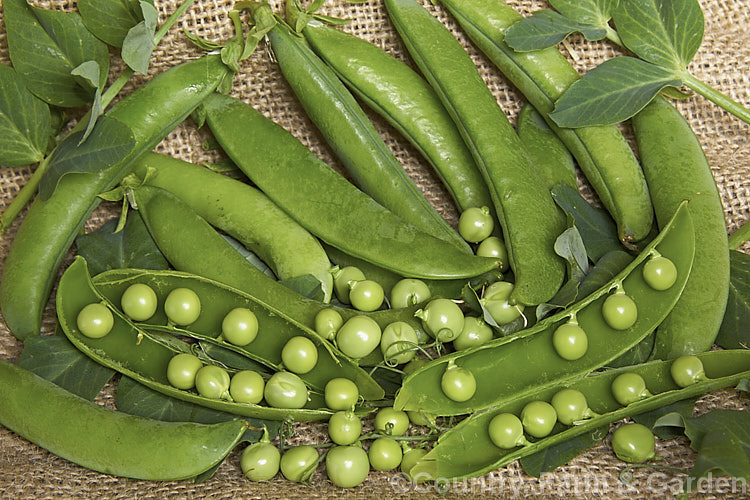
(633, 443)
(506, 431)
(494, 247)
(392, 422)
(341, 394)
(660, 273)
(285, 390)
(95, 320)
(497, 302)
(409, 291)
(629, 388)
(458, 383)
(247, 386)
(212, 382)
(342, 279)
(475, 224)
(571, 406)
(139, 302)
(347, 466)
(398, 343)
(474, 333)
(298, 463)
(570, 341)
(366, 295)
(687, 370)
(327, 323)
(538, 418)
(239, 326)
(260, 461)
(344, 428)
(358, 336)
(442, 319)
(182, 369)
(619, 311)
(182, 306)
(385, 454)
(299, 355)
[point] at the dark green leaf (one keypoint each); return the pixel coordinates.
(597, 229)
(570, 247)
(612, 92)
(307, 285)
(389, 380)
(606, 268)
(45, 46)
(566, 295)
(722, 440)
(54, 358)
(554, 456)
(734, 332)
(90, 72)
(110, 20)
(743, 385)
(137, 399)
(547, 28)
(250, 256)
(664, 33)
(139, 42)
(132, 247)
(593, 12)
(25, 122)
(667, 422)
(110, 141)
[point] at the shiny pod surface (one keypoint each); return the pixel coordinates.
(109, 441)
(509, 366)
(467, 451)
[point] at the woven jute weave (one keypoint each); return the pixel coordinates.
(27, 471)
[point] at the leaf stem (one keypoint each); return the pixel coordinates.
(717, 97)
(739, 237)
(24, 195)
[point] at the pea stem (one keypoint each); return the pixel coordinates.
(717, 97)
(740, 236)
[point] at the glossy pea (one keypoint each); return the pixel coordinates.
(494, 247)
(343, 279)
(30, 268)
(391, 422)
(239, 326)
(442, 319)
(530, 352)
(366, 295)
(409, 291)
(134, 447)
(398, 343)
(474, 333)
(603, 153)
(327, 323)
(496, 148)
(327, 204)
(298, 463)
(449, 459)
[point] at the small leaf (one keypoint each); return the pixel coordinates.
(597, 229)
(546, 28)
(45, 46)
(606, 268)
(250, 256)
(133, 247)
(560, 454)
(612, 92)
(139, 43)
(54, 358)
(593, 12)
(734, 332)
(110, 141)
(565, 296)
(306, 285)
(25, 122)
(664, 33)
(110, 20)
(668, 422)
(90, 72)
(570, 247)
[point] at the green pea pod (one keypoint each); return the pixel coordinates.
(50, 226)
(467, 451)
(397, 93)
(109, 441)
(350, 133)
(676, 169)
(233, 207)
(542, 76)
(546, 150)
(325, 203)
(135, 353)
(529, 358)
(528, 216)
(164, 215)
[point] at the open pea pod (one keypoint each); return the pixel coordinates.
(467, 450)
(522, 362)
(133, 352)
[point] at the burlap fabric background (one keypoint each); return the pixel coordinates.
(723, 62)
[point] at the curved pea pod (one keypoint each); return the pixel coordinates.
(325, 203)
(350, 133)
(275, 328)
(527, 360)
(233, 207)
(133, 352)
(50, 226)
(676, 169)
(467, 451)
(527, 213)
(602, 153)
(109, 441)
(397, 93)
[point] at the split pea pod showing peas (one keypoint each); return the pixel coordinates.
(350, 133)
(32, 261)
(137, 354)
(325, 203)
(406, 101)
(467, 450)
(511, 366)
(676, 169)
(233, 206)
(529, 217)
(542, 76)
(109, 441)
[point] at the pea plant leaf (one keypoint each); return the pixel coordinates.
(54, 358)
(306, 285)
(597, 229)
(546, 28)
(734, 332)
(90, 72)
(110, 20)
(661, 425)
(132, 247)
(136, 399)
(606, 268)
(667, 34)
(569, 245)
(25, 122)
(552, 457)
(110, 140)
(46, 46)
(139, 42)
(250, 256)
(591, 12)
(612, 92)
